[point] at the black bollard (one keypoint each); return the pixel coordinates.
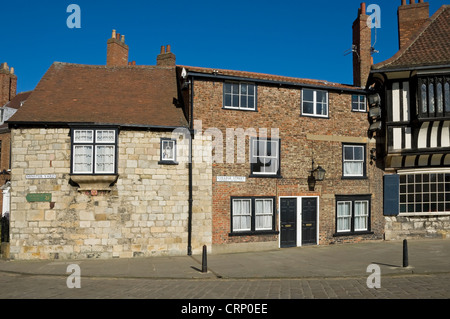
(204, 260)
(405, 253)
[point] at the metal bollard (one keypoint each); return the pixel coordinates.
(204, 260)
(405, 253)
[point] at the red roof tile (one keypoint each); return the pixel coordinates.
(128, 95)
(269, 77)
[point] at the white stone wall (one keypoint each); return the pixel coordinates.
(420, 226)
(144, 214)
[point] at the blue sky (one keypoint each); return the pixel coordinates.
(304, 39)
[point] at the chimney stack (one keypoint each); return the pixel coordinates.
(117, 50)
(411, 18)
(165, 58)
(8, 84)
(362, 58)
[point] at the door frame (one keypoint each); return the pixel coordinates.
(299, 218)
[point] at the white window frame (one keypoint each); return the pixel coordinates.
(168, 141)
(361, 106)
(240, 200)
(255, 156)
(315, 103)
(362, 161)
(240, 95)
(264, 213)
(365, 215)
(347, 216)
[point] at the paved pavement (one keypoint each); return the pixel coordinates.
(339, 271)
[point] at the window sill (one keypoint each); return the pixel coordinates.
(239, 109)
(265, 176)
(94, 182)
(167, 163)
(254, 233)
(354, 177)
(356, 233)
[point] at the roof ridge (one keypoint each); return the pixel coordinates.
(413, 39)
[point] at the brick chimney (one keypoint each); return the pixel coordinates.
(117, 50)
(410, 18)
(165, 58)
(362, 58)
(8, 84)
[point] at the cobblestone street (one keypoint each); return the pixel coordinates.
(433, 286)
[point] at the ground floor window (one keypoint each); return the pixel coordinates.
(352, 213)
(425, 192)
(252, 214)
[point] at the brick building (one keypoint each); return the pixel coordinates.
(269, 132)
(412, 130)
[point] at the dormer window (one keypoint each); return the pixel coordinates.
(239, 96)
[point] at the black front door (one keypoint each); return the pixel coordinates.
(309, 221)
(288, 222)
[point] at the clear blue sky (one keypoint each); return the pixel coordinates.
(293, 38)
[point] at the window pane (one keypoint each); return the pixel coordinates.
(83, 136)
(361, 215)
(244, 101)
(105, 136)
(241, 215)
(439, 98)
(104, 159)
(82, 159)
(447, 97)
(168, 150)
(227, 100)
(358, 153)
(431, 98)
(424, 98)
(263, 214)
(308, 108)
(343, 216)
(251, 89)
(227, 88)
(308, 95)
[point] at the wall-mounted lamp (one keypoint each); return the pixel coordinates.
(317, 174)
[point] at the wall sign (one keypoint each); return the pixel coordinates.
(237, 179)
(39, 197)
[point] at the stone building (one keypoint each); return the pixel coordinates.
(412, 90)
(101, 164)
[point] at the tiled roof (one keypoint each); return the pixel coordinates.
(429, 47)
(268, 77)
(17, 101)
(128, 95)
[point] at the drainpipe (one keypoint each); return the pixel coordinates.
(190, 200)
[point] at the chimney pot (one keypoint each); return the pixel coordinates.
(123, 38)
(168, 48)
(163, 50)
(363, 8)
(113, 34)
(403, 2)
(11, 70)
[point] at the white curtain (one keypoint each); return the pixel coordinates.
(104, 161)
(344, 215)
(263, 214)
(241, 214)
(361, 215)
(82, 159)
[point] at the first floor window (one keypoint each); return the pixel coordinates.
(265, 157)
(353, 161)
(359, 103)
(239, 95)
(168, 151)
(252, 214)
(314, 103)
(352, 213)
(94, 151)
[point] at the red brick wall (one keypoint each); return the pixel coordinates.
(410, 19)
(301, 138)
